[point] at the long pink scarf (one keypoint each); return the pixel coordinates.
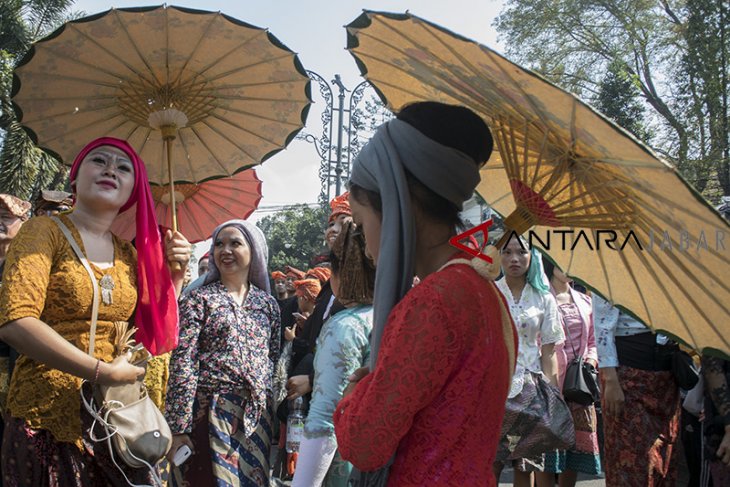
(156, 317)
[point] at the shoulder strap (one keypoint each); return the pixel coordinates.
(567, 329)
(94, 283)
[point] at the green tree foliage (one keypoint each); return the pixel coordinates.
(618, 98)
(295, 236)
(674, 52)
(25, 169)
(704, 88)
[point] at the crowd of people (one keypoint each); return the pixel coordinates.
(416, 364)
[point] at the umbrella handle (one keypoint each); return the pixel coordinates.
(174, 266)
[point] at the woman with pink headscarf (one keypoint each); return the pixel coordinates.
(45, 313)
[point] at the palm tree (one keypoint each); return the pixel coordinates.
(24, 168)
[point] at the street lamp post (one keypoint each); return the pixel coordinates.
(336, 157)
(340, 129)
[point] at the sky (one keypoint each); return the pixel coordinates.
(314, 29)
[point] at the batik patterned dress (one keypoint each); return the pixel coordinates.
(537, 323)
(640, 444)
(220, 387)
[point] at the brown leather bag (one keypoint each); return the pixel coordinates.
(138, 432)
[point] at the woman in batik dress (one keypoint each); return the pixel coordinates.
(219, 396)
(535, 316)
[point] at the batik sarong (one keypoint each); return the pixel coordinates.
(536, 421)
(640, 444)
(584, 457)
(224, 455)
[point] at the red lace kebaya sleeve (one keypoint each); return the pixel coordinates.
(417, 355)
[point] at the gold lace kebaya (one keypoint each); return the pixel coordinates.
(45, 280)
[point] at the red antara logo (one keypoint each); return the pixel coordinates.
(473, 247)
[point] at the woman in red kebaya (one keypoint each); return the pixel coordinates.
(442, 352)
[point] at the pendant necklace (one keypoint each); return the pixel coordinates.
(107, 286)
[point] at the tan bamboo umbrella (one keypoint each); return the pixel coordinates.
(200, 95)
(561, 166)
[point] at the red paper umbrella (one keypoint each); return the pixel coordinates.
(200, 207)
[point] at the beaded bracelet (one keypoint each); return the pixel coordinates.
(96, 371)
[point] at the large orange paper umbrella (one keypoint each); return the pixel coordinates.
(201, 207)
(199, 95)
(561, 166)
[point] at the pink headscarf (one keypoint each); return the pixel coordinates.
(156, 317)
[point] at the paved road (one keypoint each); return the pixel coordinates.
(505, 481)
(583, 480)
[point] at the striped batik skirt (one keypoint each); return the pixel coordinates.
(223, 455)
(584, 457)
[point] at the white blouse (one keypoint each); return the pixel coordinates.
(537, 322)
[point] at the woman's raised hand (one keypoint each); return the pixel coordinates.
(290, 333)
(178, 249)
(178, 252)
(301, 318)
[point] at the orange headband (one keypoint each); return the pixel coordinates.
(294, 272)
(340, 205)
(308, 289)
(321, 273)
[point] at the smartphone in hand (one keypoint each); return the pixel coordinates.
(181, 455)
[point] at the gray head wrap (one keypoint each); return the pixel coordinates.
(257, 274)
(380, 167)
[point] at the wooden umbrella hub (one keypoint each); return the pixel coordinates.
(169, 132)
(139, 97)
(532, 209)
(183, 192)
